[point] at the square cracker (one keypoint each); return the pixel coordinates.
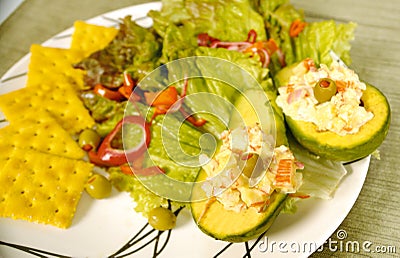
(49, 66)
(61, 102)
(40, 187)
(90, 38)
(42, 133)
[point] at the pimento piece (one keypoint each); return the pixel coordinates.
(296, 28)
(284, 174)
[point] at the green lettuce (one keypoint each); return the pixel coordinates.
(231, 20)
(318, 38)
(227, 94)
(145, 199)
(315, 41)
(179, 22)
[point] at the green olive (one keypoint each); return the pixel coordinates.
(161, 218)
(324, 90)
(89, 139)
(98, 186)
(252, 164)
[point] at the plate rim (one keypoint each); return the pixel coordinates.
(51, 42)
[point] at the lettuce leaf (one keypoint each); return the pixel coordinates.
(321, 177)
(228, 23)
(315, 41)
(179, 22)
(318, 38)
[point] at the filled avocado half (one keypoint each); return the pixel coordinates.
(211, 215)
(333, 145)
(216, 221)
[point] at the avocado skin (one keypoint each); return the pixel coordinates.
(352, 146)
(211, 224)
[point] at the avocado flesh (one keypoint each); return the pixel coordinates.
(331, 145)
(227, 225)
(352, 146)
(250, 108)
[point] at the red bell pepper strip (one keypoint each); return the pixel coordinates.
(264, 49)
(165, 98)
(168, 100)
(127, 88)
(251, 36)
(109, 156)
(205, 40)
(191, 119)
(107, 93)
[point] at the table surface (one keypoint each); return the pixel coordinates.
(376, 57)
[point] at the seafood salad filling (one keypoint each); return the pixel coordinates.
(342, 110)
(245, 153)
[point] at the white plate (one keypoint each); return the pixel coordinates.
(101, 227)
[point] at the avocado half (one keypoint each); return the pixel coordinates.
(331, 145)
(352, 146)
(227, 225)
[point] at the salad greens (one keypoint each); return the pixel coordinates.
(174, 35)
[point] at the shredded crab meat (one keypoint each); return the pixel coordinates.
(228, 185)
(343, 114)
